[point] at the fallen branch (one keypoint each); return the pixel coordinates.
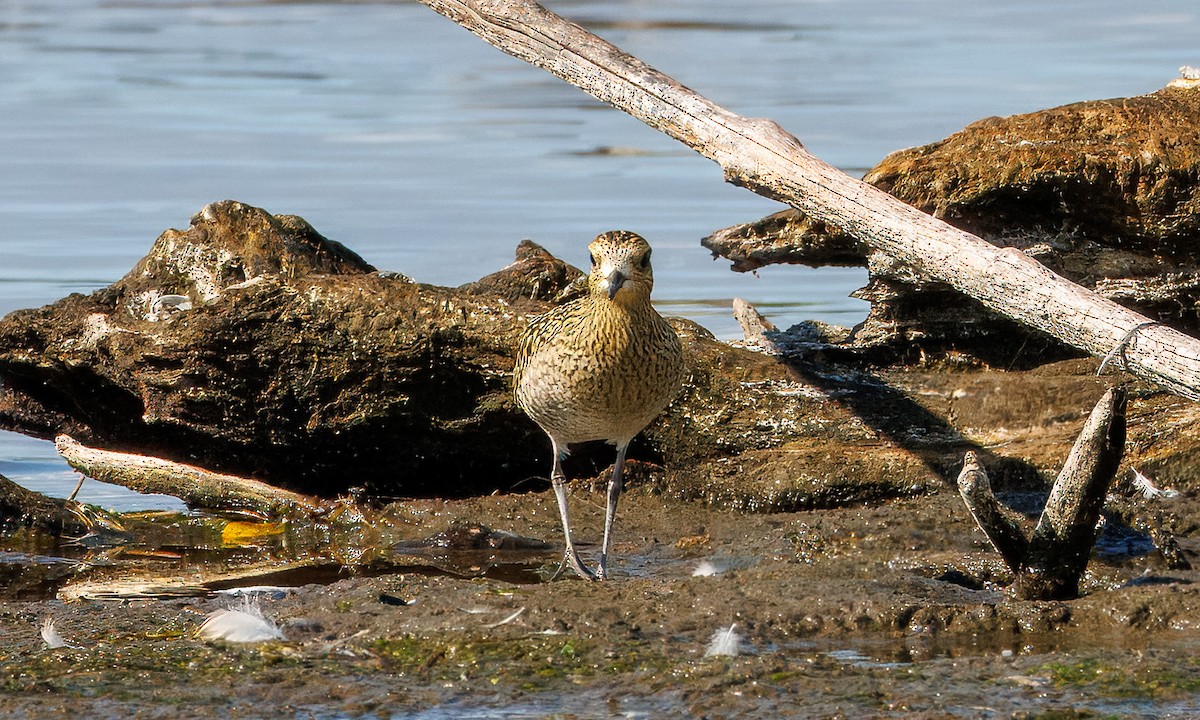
(761, 156)
(1050, 564)
(193, 485)
(150, 585)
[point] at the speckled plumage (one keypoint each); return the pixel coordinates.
(600, 367)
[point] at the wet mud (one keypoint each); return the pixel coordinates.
(897, 610)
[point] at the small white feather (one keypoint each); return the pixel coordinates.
(51, 636)
(507, 620)
(245, 624)
(708, 568)
(726, 642)
(1148, 489)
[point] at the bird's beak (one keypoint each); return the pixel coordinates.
(615, 280)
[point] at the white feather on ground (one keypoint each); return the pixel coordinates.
(726, 642)
(51, 636)
(1147, 488)
(244, 624)
(507, 620)
(708, 568)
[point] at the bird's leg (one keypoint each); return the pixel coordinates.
(610, 513)
(559, 479)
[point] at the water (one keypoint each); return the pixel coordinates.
(428, 152)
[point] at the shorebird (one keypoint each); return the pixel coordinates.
(599, 368)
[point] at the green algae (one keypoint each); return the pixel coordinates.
(529, 663)
(1157, 679)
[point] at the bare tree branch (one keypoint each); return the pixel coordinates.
(1001, 526)
(763, 157)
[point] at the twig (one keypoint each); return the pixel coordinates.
(1118, 350)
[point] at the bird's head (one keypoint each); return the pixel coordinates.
(620, 267)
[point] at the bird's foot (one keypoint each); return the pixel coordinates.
(570, 558)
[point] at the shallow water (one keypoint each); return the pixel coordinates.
(430, 153)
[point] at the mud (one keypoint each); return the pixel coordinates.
(889, 611)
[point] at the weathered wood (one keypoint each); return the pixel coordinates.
(761, 156)
(147, 584)
(322, 383)
(1066, 532)
(1049, 565)
(193, 485)
(754, 325)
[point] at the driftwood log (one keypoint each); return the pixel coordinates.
(1099, 191)
(277, 361)
(760, 155)
(1050, 564)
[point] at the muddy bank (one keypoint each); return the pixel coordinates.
(249, 344)
(889, 611)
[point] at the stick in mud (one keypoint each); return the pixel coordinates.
(1049, 565)
(1001, 525)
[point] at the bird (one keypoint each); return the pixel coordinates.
(600, 367)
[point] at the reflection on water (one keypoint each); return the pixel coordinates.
(399, 134)
(173, 554)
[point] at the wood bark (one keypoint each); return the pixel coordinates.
(760, 155)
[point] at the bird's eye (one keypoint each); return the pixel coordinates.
(592, 258)
(646, 260)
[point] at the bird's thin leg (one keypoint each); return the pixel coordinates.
(610, 513)
(570, 557)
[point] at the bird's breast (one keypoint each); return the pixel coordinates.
(599, 375)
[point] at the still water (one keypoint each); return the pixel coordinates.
(428, 152)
